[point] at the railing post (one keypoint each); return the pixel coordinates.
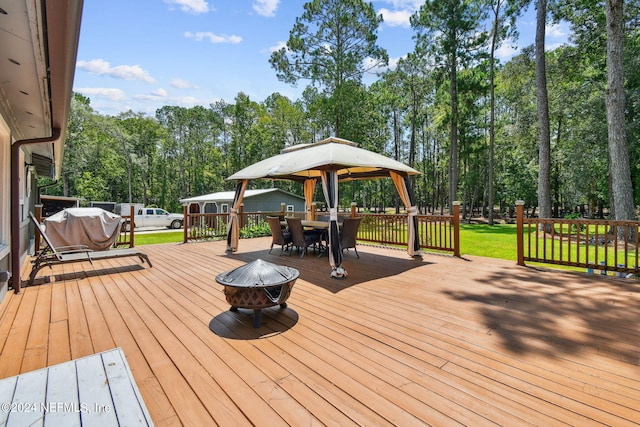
(36, 239)
(353, 209)
(282, 209)
(185, 224)
(314, 211)
(456, 228)
(131, 226)
(520, 230)
(241, 216)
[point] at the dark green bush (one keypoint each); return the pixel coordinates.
(256, 230)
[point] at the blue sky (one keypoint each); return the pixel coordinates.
(143, 54)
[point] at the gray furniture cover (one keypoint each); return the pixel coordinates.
(93, 227)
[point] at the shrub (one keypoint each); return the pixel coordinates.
(256, 230)
(574, 215)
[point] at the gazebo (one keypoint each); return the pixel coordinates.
(331, 160)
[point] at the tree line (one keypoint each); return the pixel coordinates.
(558, 129)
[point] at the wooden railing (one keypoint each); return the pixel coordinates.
(205, 226)
(127, 234)
(591, 244)
(435, 232)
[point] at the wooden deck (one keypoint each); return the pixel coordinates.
(438, 341)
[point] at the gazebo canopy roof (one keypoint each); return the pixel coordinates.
(304, 161)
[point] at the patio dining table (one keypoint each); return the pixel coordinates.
(318, 225)
(322, 226)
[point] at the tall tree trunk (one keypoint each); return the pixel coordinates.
(492, 102)
(397, 138)
(129, 179)
(544, 149)
(65, 185)
(145, 188)
(412, 140)
(619, 170)
(556, 176)
(453, 133)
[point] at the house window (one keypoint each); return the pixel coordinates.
(290, 208)
(225, 208)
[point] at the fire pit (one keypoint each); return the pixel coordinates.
(257, 285)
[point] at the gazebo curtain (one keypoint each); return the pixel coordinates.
(330, 189)
(309, 190)
(233, 226)
(402, 184)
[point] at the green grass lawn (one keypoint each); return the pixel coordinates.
(152, 238)
(498, 241)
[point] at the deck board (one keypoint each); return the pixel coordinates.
(400, 341)
(155, 398)
(97, 390)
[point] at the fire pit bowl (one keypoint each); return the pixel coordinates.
(257, 285)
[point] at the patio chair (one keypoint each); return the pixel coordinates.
(303, 239)
(348, 234)
(52, 255)
(278, 235)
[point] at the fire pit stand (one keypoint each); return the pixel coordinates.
(257, 285)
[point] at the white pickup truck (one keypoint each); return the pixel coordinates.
(156, 217)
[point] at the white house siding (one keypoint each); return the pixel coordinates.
(5, 201)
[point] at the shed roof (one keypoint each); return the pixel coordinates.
(226, 196)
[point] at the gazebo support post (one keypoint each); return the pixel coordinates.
(404, 190)
(233, 225)
(330, 189)
(309, 190)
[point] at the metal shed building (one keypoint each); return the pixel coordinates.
(265, 200)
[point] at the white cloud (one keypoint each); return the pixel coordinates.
(555, 31)
(161, 96)
(411, 5)
(123, 72)
(368, 65)
(396, 18)
(400, 12)
(190, 101)
(548, 47)
(393, 62)
(278, 46)
(102, 92)
(506, 50)
(159, 93)
(190, 6)
(156, 95)
(213, 38)
(181, 84)
(113, 101)
(266, 7)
